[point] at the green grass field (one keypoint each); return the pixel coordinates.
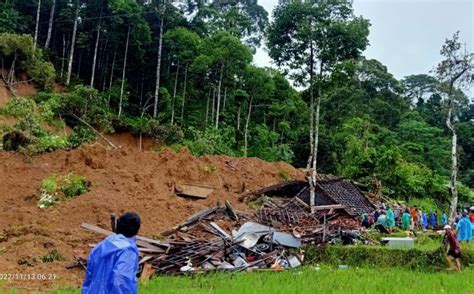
(310, 280)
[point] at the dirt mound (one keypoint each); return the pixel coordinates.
(122, 180)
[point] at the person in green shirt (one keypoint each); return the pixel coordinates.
(406, 220)
(390, 219)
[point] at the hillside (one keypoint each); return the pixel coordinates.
(121, 180)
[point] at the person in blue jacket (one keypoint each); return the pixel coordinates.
(424, 221)
(113, 263)
(464, 229)
(433, 221)
(444, 219)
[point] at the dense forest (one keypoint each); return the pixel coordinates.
(181, 72)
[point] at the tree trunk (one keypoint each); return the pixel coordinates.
(173, 101)
(454, 160)
(247, 128)
(207, 105)
(112, 67)
(311, 177)
(158, 68)
(213, 104)
(63, 58)
(38, 10)
(219, 86)
(104, 71)
(184, 94)
(50, 24)
(94, 60)
(123, 72)
(73, 43)
(225, 98)
(238, 118)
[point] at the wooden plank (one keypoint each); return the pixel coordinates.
(193, 191)
(141, 241)
(192, 219)
(327, 207)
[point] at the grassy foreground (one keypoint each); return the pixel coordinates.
(310, 280)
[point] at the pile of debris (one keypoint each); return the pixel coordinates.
(223, 238)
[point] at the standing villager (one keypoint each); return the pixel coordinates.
(464, 230)
(444, 219)
(424, 221)
(453, 249)
(414, 217)
(406, 220)
(390, 219)
(433, 220)
(113, 264)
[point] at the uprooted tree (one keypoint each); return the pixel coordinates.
(456, 71)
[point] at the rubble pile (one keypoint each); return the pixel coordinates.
(222, 238)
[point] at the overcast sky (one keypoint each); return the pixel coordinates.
(406, 35)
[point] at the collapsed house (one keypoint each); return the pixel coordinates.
(331, 192)
(222, 238)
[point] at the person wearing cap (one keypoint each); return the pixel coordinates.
(113, 263)
(454, 250)
(464, 229)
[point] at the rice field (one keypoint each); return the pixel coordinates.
(310, 279)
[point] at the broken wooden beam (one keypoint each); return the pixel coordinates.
(141, 241)
(193, 191)
(327, 207)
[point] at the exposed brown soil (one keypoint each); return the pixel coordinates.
(122, 180)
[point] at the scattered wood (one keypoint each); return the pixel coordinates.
(193, 191)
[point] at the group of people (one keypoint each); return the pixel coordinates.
(411, 219)
(386, 219)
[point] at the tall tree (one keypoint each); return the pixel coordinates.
(455, 71)
(73, 44)
(50, 24)
(308, 40)
(38, 12)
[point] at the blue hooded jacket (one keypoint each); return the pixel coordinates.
(433, 220)
(112, 267)
(444, 219)
(464, 230)
(424, 221)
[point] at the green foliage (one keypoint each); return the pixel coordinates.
(210, 168)
(284, 175)
(370, 256)
(19, 49)
(169, 134)
(81, 135)
(52, 256)
(211, 141)
(54, 188)
(73, 185)
(49, 184)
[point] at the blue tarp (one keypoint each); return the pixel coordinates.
(112, 267)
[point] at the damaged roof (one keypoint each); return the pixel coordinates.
(330, 190)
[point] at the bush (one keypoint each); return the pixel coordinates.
(81, 135)
(169, 134)
(74, 185)
(211, 141)
(54, 188)
(51, 256)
